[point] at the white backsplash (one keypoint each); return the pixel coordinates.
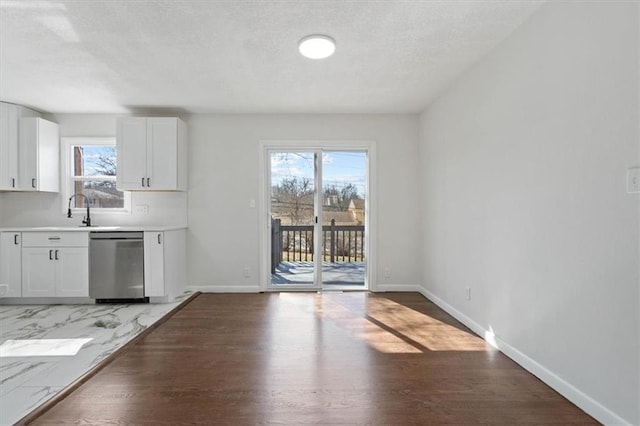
(46, 209)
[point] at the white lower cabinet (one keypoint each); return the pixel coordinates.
(165, 272)
(51, 270)
(10, 264)
(72, 272)
(56, 264)
(38, 272)
(154, 264)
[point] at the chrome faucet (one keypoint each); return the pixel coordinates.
(87, 219)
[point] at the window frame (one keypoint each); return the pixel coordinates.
(68, 178)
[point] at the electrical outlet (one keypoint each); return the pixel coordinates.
(467, 292)
(387, 272)
(4, 289)
(633, 180)
(142, 209)
(246, 272)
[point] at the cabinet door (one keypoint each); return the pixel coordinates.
(11, 263)
(72, 272)
(131, 143)
(38, 272)
(48, 153)
(162, 153)
(28, 154)
(154, 264)
(39, 155)
(8, 146)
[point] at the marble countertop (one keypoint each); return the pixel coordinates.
(152, 228)
(27, 380)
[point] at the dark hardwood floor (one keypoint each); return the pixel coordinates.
(297, 358)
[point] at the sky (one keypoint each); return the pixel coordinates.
(92, 153)
(338, 168)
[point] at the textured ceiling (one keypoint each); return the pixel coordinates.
(241, 56)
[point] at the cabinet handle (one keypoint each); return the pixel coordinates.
(56, 257)
(33, 182)
(15, 239)
(54, 238)
(13, 182)
(159, 242)
(148, 182)
(50, 254)
(142, 181)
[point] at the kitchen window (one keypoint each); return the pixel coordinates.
(90, 169)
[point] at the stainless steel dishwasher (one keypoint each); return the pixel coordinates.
(116, 267)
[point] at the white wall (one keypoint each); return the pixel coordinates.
(46, 209)
(223, 233)
(523, 199)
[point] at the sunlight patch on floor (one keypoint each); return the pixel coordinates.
(390, 327)
(421, 329)
(42, 347)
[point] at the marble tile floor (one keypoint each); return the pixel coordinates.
(28, 381)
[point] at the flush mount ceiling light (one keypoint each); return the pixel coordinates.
(317, 46)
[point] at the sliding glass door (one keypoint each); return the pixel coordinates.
(343, 219)
(294, 214)
(317, 235)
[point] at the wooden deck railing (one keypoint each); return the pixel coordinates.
(294, 243)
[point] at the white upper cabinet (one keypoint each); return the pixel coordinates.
(152, 154)
(8, 147)
(10, 115)
(131, 142)
(39, 155)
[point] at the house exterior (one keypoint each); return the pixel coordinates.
(356, 207)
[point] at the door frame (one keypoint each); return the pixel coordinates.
(265, 146)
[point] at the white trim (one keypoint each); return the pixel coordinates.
(371, 223)
(224, 288)
(65, 173)
(566, 389)
(317, 212)
(399, 287)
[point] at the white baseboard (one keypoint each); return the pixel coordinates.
(258, 289)
(566, 389)
(226, 288)
(397, 287)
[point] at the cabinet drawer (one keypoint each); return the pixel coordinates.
(55, 239)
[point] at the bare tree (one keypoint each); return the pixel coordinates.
(105, 163)
(293, 198)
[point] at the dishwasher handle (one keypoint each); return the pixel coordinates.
(128, 236)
